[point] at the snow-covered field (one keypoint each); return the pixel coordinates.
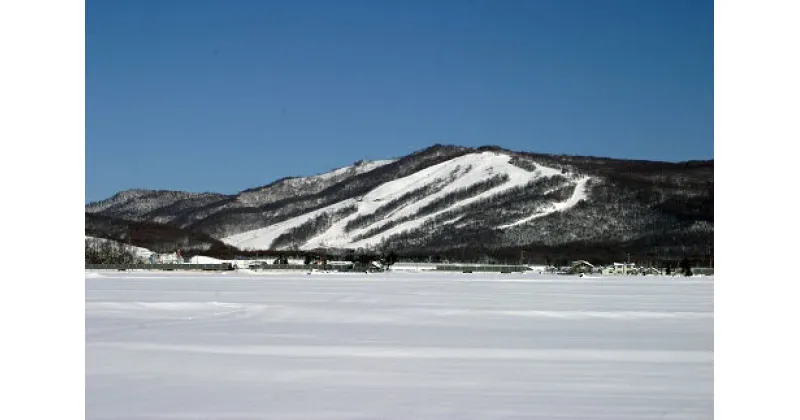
(397, 346)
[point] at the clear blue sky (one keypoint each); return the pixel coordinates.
(225, 95)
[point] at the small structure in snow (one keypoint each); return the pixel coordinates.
(580, 267)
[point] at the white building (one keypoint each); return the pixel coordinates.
(620, 268)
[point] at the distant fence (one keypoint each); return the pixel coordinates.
(344, 268)
(215, 267)
(293, 267)
(482, 268)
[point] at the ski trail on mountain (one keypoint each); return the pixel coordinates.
(578, 194)
(449, 177)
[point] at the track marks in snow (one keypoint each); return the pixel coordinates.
(571, 355)
(398, 346)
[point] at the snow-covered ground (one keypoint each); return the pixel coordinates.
(397, 346)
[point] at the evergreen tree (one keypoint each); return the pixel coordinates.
(389, 259)
(686, 267)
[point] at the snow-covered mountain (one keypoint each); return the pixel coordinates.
(446, 197)
(446, 189)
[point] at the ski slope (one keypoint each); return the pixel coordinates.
(446, 177)
(577, 195)
(397, 346)
(263, 238)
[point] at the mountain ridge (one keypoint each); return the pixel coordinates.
(446, 197)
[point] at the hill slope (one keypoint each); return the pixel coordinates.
(450, 197)
(153, 236)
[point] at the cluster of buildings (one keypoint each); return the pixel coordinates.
(585, 267)
(575, 267)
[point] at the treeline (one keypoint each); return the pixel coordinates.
(699, 252)
(595, 253)
(386, 257)
(153, 236)
(110, 252)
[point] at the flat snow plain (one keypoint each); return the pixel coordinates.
(397, 346)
